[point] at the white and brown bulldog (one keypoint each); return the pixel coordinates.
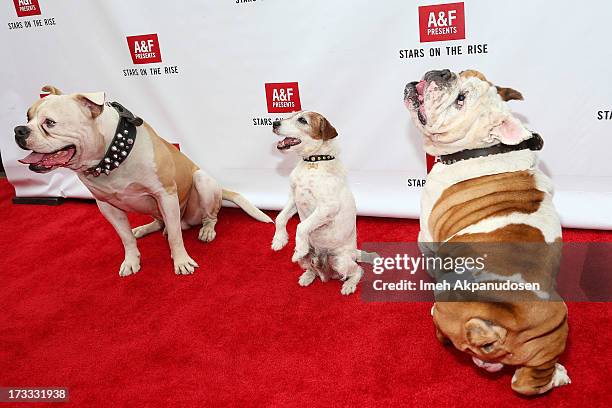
(487, 188)
(127, 167)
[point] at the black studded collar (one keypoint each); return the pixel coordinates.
(318, 157)
(122, 143)
(533, 143)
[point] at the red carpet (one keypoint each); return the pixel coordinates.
(240, 331)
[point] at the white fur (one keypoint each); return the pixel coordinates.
(320, 194)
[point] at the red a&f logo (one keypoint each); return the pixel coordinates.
(430, 160)
(442, 22)
(26, 8)
(283, 97)
(144, 48)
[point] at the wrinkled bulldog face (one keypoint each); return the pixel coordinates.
(482, 339)
(462, 111)
(304, 133)
(61, 131)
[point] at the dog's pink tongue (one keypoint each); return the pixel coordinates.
(490, 367)
(32, 158)
(420, 87)
(49, 159)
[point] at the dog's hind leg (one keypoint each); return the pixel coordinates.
(538, 380)
(209, 198)
(310, 272)
(307, 277)
(147, 229)
(345, 265)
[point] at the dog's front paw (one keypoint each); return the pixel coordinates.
(184, 265)
(129, 266)
(349, 287)
(279, 241)
(307, 278)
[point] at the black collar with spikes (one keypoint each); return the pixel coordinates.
(122, 143)
(318, 157)
(533, 143)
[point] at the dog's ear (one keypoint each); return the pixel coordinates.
(326, 130)
(509, 94)
(480, 333)
(94, 102)
(510, 131)
(51, 89)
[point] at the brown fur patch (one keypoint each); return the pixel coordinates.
(470, 201)
(174, 169)
(321, 128)
(33, 109)
(468, 73)
(507, 94)
(51, 89)
(510, 250)
(521, 233)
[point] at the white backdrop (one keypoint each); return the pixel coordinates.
(345, 57)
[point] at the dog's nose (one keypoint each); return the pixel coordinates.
(22, 131)
(275, 124)
(441, 75)
(21, 134)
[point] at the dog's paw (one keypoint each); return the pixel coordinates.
(141, 231)
(207, 233)
(279, 241)
(129, 266)
(185, 265)
(560, 376)
(307, 278)
(349, 287)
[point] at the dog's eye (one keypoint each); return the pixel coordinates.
(460, 99)
(487, 348)
(49, 123)
(302, 120)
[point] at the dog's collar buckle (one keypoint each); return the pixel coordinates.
(122, 143)
(318, 157)
(533, 143)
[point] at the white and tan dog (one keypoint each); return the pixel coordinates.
(326, 238)
(487, 188)
(77, 131)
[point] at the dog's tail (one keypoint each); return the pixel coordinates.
(365, 257)
(246, 205)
